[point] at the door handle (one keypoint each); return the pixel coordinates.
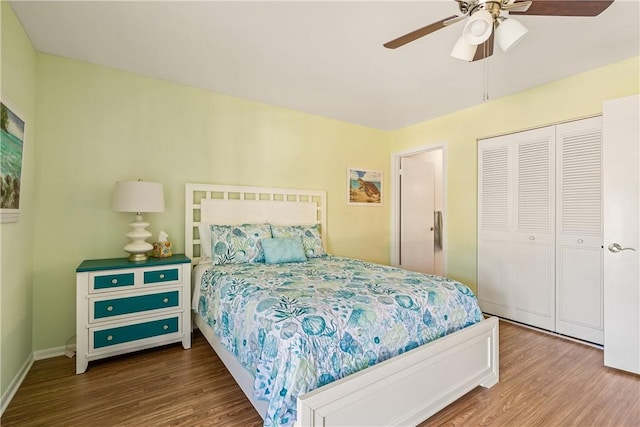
(615, 248)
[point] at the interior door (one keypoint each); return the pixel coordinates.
(417, 205)
(621, 178)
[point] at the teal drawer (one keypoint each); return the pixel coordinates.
(113, 280)
(124, 334)
(159, 276)
(135, 304)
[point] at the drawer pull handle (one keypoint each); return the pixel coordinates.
(114, 281)
(165, 327)
(110, 338)
(532, 237)
(580, 241)
(162, 276)
(110, 308)
(166, 300)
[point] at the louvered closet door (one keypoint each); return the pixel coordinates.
(495, 292)
(579, 258)
(533, 253)
(516, 227)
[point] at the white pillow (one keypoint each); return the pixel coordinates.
(205, 242)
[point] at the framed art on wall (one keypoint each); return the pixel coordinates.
(365, 187)
(11, 155)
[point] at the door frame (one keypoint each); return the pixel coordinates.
(395, 199)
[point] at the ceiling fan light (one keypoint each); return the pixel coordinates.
(479, 27)
(510, 32)
(463, 50)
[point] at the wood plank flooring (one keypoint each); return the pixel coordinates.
(544, 381)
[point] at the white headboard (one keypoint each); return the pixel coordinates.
(228, 204)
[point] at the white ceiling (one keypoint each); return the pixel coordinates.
(325, 57)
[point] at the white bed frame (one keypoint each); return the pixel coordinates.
(402, 391)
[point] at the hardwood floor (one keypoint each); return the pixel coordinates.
(544, 381)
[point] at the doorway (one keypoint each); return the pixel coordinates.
(426, 230)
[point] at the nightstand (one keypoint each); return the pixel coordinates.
(124, 306)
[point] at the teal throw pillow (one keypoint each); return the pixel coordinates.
(277, 251)
(310, 235)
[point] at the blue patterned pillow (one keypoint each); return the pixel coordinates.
(284, 249)
(238, 244)
(310, 235)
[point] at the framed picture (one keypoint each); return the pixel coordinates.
(364, 187)
(11, 154)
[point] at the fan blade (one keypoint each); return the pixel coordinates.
(484, 50)
(521, 6)
(421, 32)
(566, 8)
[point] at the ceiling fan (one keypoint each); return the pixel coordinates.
(489, 19)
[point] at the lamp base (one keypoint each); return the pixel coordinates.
(138, 257)
(138, 248)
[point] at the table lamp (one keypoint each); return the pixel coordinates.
(138, 196)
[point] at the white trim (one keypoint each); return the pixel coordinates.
(16, 383)
(52, 352)
(395, 191)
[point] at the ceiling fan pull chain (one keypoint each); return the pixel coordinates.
(485, 94)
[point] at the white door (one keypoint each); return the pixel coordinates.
(516, 264)
(622, 234)
(533, 248)
(417, 205)
(579, 280)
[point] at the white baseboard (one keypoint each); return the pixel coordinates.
(52, 352)
(15, 384)
(24, 370)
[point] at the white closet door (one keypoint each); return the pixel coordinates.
(516, 228)
(533, 251)
(495, 293)
(579, 276)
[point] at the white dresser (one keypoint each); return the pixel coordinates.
(124, 306)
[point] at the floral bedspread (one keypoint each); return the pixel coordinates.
(298, 326)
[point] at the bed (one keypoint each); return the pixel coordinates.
(361, 379)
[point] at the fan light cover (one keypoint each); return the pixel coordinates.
(463, 50)
(479, 28)
(509, 32)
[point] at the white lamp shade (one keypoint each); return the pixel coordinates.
(138, 196)
(463, 50)
(510, 32)
(479, 27)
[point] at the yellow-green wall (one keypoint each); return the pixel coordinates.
(17, 82)
(574, 97)
(89, 126)
(98, 125)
